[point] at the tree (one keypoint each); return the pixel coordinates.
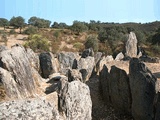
(79, 27)
(17, 22)
(39, 22)
(4, 22)
(92, 42)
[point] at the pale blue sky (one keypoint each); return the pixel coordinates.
(83, 10)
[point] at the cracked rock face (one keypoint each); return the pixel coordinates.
(75, 101)
(131, 45)
(31, 109)
(16, 73)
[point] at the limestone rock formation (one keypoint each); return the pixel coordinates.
(131, 45)
(75, 101)
(109, 58)
(120, 90)
(142, 84)
(87, 52)
(119, 57)
(16, 73)
(86, 66)
(67, 60)
(74, 74)
(97, 57)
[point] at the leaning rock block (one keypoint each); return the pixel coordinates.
(75, 101)
(143, 90)
(16, 73)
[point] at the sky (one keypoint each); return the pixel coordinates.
(119, 11)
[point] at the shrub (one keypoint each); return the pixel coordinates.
(30, 30)
(79, 46)
(37, 43)
(92, 42)
(12, 31)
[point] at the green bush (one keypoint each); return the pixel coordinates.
(79, 46)
(30, 30)
(12, 31)
(37, 43)
(92, 42)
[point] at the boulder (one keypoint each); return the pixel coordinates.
(97, 56)
(120, 90)
(75, 101)
(131, 45)
(16, 73)
(67, 60)
(104, 84)
(74, 74)
(86, 66)
(119, 57)
(100, 64)
(157, 106)
(46, 64)
(142, 84)
(33, 59)
(87, 52)
(29, 109)
(109, 58)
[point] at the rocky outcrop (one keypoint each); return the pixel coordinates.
(157, 106)
(67, 60)
(120, 90)
(100, 64)
(142, 84)
(109, 58)
(16, 73)
(87, 52)
(46, 64)
(86, 66)
(119, 57)
(37, 109)
(131, 45)
(75, 101)
(97, 57)
(149, 59)
(74, 74)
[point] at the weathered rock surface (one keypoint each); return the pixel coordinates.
(142, 84)
(104, 79)
(46, 64)
(87, 52)
(119, 57)
(75, 101)
(97, 57)
(74, 74)
(109, 58)
(157, 106)
(99, 65)
(149, 59)
(67, 60)
(16, 73)
(37, 109)
(120, 90)
(131, 45)
(33, 59)
(85, 66)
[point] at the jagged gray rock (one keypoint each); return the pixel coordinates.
(120, 90)
(119, 57)
(46, 64)
(16, 73)
(85, 66)
(74, 74)
(142, 84)
(131, 45)
(75, 101)
(67, 60)
(29, 109)
(87, 52)
(157, 106)
(104, 81)
(97, 57)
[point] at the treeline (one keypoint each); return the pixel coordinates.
(112, 35)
